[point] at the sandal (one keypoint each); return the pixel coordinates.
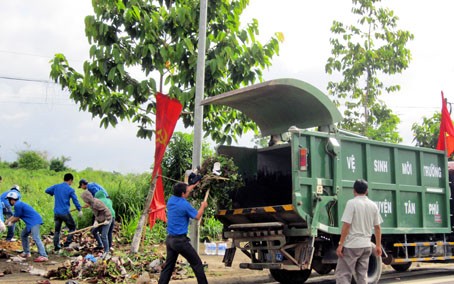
(41, 259)
(25, 255)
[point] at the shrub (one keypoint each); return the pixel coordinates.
(32, 160)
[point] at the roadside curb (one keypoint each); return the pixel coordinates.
(229, 280)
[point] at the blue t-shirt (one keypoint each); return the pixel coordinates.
(27, 214)
(5, 204)
(63, 193)
(94, 187)
(179, 210)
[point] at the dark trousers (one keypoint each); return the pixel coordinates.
(176, 246)
(110, 233)
(69, 221)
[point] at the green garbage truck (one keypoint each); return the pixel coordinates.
(287, 217)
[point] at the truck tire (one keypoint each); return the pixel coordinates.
(374, 270)
(401, 267)
(322, 268)
(290, 276)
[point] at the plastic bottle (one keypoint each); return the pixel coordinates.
(206, 247)
(210, 248)
(221, 248)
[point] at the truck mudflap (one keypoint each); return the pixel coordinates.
(266, 246)
(279, 213)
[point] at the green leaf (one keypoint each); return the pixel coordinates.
(120, 5)
(136, 12)
(112, 74)
(189, 45)
(121, 69)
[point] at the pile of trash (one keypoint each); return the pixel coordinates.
(115, 269)
(83, 262)
(10, 246)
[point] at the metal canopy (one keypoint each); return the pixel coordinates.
(278, 104)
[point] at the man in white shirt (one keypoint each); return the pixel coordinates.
(361, 215)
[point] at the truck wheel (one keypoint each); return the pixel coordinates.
(401, 267)
(322, 268)
(290, 276)
(374, 270)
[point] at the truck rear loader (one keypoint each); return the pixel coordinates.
(287, 217)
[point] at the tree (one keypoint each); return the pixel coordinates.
(363, 54)
(426, 133)
(58, 164)
(178, 157)
(158, 38)
(32, 160)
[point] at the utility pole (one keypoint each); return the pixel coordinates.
(198, 110)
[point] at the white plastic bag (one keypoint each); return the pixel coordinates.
(2, 226)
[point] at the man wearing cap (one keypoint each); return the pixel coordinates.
(8, 210)
(92, 187)
(2, 225)
(33, 222)
(63, 193)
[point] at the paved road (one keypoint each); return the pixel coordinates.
(424, 275)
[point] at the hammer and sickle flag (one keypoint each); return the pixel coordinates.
(446, 136)
(168, 111)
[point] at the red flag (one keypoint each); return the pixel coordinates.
(167, 113)
(446, 136)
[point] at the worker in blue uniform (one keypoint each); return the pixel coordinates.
(179, 211)
(63, 193)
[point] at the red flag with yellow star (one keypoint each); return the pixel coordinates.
(168, 111)
(446, 136)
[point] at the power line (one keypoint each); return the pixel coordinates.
(27, 80)
(35, 55)
(39, 103)
(24, 53)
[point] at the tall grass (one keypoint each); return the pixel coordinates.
(126, 191)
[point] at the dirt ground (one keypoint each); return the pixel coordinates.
(27, 271)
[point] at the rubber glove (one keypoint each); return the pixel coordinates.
(95, 224)
(2, 226)
(80, 214)
(107, 222)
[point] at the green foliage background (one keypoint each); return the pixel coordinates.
(126, 191)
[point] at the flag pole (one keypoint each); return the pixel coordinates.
(138, 234)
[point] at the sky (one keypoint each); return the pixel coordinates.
(40, 116)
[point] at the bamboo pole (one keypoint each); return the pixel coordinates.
(138, 234)
(87, 228)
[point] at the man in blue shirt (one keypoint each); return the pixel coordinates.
(92, 187)
(8, 210)
(32, 221)
(2, 225)
(179, 210)
(1, 206)
(63, 193)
